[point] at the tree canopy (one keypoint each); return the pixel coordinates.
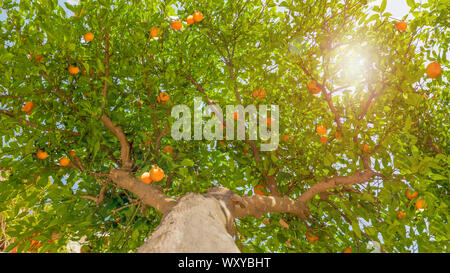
(364, 129)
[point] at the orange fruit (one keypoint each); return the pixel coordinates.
(28, 107)
(73, 70)
(313, 88)
(258, 190)
(176, 25)
(401, 26)
(168, 149)
(72, 153)
(420, 204)
(411, 196)
(41, 154)
(285, 138)
(269, 121)
(363, 103)
(348, 250)
(338, 137)
(366, 148)
(321, 130)
(323, 139)
(88, 36)
(400, 215)
(156, 173)
(255, 93)
(198, 16)
(139, 103)
(262, 94)
(433, 70)
(38, 58)
(311, 238)
(64, 161)
(80, 14)
(145, 177)
(222, 143)
(259, 93)
(190, 20)
(154, 32)
(235, 115)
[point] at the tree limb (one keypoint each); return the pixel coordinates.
(150, 195)
(125, 152)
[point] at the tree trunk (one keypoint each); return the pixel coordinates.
(196, 224)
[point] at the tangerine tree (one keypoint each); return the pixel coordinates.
(86, 93)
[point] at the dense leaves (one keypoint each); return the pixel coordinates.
(374, 91)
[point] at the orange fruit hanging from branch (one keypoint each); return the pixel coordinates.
(154, 32)
(28, 107)
(400, 215)
(313, 88)
(420, 204)
(88, 37)
(259, 190)
(73, 70)
(401, 26)
(336, 134)
(366, 148)
(198, 16)
(259, 93)
(163, 97)
(145, 177)
(321, 130)
(41, 154)
(190, 20)
(64, 161)
(411, 196)
(176, 25)
(168, 149)
(433, 70)
(156, 173)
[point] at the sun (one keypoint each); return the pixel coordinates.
(354, 64)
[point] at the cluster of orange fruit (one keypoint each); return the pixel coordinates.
(176, 25)
(259, 93)
(155, 174)
(194, 18)
(88, 37)
(434, 69)
(322, 130)
(64, 161)
(420, 203)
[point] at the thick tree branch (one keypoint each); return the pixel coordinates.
(34, 125)
(149, 194)
(125, 151)
(257, 205)
(335, 182)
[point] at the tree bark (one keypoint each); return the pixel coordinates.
(196, 224)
